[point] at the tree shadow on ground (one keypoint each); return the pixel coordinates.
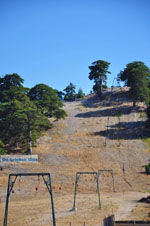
(145, 200)
(113, 112)
(93, 101)
(126, 131)
(16, 151)
(108, 98)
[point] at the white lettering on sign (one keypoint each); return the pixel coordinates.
(19, 158)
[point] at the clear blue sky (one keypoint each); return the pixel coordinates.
(54, 41)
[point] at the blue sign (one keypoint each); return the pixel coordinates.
(19, 158)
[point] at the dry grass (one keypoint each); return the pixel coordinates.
(78, 144)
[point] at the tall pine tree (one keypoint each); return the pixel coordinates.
(98, 73)
(136, 75)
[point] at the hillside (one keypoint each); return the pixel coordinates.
(104, 133)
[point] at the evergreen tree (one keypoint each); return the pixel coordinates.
(21, 123)
(45, 98)
(60, 94)
(24, 112)
(10, 87)
(22, 119)
(136, 75)
(80, 94)
(98, 73)
(70, 92)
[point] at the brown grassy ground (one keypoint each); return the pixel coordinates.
(82, 142)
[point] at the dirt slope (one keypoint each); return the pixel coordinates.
(92, 137)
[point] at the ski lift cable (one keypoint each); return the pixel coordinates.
(108, 118)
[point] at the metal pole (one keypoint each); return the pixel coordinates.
(113, 180)
(9, 189)
(75, 191)
(49, 187)
(107, 131)
(98, 192)
(53, 212)
(119, 130)
(7, 200)
(112, 174)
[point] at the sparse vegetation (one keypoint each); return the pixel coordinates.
(146, 141)
(71, 146)
(142, 115)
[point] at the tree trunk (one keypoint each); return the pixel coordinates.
(29, 150)
(134, 103)
(100, 85)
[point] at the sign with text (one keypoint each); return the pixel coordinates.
(19, 158)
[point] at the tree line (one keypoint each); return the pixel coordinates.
(24, 112)
(135, 75)
(69, 93)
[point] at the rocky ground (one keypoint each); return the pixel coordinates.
(96, 134)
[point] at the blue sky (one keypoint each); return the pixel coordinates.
(54, 41)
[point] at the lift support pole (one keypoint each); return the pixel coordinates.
(11, 184)
(76, 181)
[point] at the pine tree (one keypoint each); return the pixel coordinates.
(46, 99)
(70, 92)
(22, 120)
(98, 73)
(21, 123)
(10, 87)
(136, 75)
(80, 93)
